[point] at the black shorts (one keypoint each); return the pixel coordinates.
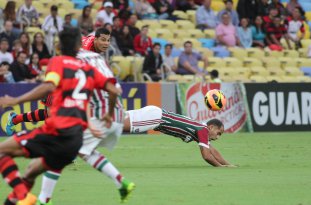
(57, 151)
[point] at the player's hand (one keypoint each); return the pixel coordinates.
(8, 101)
(94, 130)
(108, 120)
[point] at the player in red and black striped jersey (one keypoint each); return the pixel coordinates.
(58, 141)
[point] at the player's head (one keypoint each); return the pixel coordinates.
(70, 41)
(102, 40)
(216, 128)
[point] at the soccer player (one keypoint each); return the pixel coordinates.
(58, 141)
(106, 137)
(155, 118)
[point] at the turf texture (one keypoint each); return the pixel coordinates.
(274, 168)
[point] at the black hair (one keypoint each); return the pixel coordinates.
(144, 26)
(215, 122)
(102, 31)
(4, 39)
(156, 44)
(214, 73)
(54, 8)
(84, 9)
(227, 1)
(187, 42)
(19, 53)
(35, 53)
(169, 45)
(70, 41)
(115, 17)
(301, 11)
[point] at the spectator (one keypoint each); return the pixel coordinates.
(142, 42)
(85, 21)
(123, 7)
(205, 16)
(39, 47)
(20, 70)
(53, 24)
(67, 21)
(132, 25)
(186, 5)
(279, 6)
(215, 76)
(27, 15)
(188, 61)
(5, 73)
(153, 62)
(8, 33)
(116, 27)
(292, 5)
(269, 19)
(25, 41)
(34, 66)
(226, 33)
(125, 42)
(245, 34)
(5, 56)
(294, 25)
(163, 9)
(17, 47)
(168, 59)
(106, 15)
(229, 9)
(258, 33)
(9, 13)
(145, 11)
(263, 8)
(275, 31)
(248, 9)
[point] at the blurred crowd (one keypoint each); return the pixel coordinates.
(254, 23)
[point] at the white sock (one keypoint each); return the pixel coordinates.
(102, 164)
(49, 181)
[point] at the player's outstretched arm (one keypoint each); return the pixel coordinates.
(209, 157)
(218, 156)
(35, 94)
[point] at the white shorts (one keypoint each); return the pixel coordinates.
(144, 119)
(109, 138)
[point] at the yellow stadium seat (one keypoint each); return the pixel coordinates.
(191, 15)
(180, 14)
(306, 43)
(137, 67)
(121, 66)
(255, 53)
(216, 62)
(97, 5)
(258, 79)
(273, 78)
(238, 53)
(287, 61)
(168, 24)
(233, 62)
(152, 33)
(293, 71)
(153, 24)
(217, 6)
(164, 33)
(291, 53)
(304, 62)
(284, 44)
(274, 54)
(205, 52)
(209, 33)
(176, 42)
(62, 12)
(259, 71)
(252, 62)
(271, 62)
(93, 13)
(181, 34)
(306, 79)
(66, 4)
(185, 24)
(303, 52)
(195, 33)
(308, 15)
(275, 71)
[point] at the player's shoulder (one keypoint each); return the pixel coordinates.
(83, 53)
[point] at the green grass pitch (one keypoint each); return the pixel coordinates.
(274, 168)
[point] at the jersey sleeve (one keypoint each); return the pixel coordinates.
(53, 71)
(203, 138)
(101, 80)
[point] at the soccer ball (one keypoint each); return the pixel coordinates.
(215, 100)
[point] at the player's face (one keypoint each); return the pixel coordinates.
(102, 43)
(215, 132)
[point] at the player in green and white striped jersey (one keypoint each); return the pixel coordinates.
(155, 118)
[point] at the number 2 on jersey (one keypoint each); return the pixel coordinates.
(80, 75)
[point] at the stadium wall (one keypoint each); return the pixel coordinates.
(250, 107)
